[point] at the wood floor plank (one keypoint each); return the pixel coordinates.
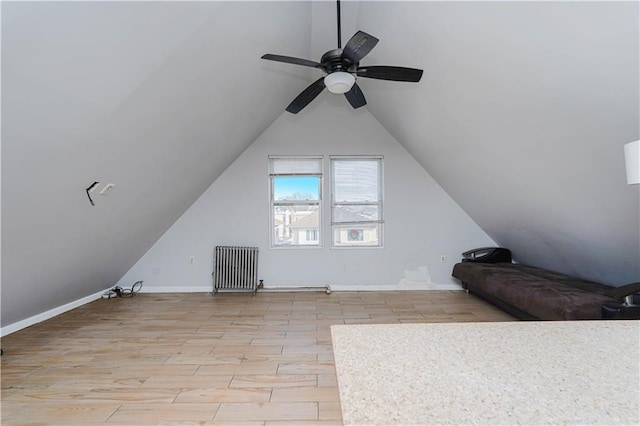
(275, 381)
(186, 382)
(267, 411)
(305, 394)
(259, 367)
(243, 394)
(329, 410)
(305, 368)
(139, 396)
(46, 412)
(232, 359)
(136, 414)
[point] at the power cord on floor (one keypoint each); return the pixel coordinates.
(118, 291)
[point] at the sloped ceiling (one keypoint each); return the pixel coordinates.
(521, 116)
(155, 97)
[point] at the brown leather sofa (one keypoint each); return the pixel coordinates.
(537, 294)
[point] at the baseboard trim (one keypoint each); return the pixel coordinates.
(324, 289)
(276, 288)
(450, 287)
(16, 326)
(187, 289)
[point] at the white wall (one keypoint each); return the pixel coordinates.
(421, 221)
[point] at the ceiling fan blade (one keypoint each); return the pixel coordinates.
(307, 95)
(390, 73)
(359, 46)
(291, 60)
(356, 97)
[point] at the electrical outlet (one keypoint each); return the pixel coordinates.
(443, 258)
(192, 260)
(107, 188)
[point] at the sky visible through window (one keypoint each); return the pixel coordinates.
(296, 188)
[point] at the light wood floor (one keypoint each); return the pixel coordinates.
(197, 359)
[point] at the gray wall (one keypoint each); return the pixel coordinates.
(421, 222)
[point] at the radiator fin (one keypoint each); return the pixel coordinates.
(235, 268)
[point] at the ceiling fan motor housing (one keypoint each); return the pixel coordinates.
(333, 61)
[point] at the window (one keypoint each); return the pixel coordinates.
(356, 206)
(296, 194)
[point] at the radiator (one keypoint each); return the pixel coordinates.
(235, 269)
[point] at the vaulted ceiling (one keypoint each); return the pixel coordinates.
(520, 116)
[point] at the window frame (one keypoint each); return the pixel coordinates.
(359, 225)
(273, 203)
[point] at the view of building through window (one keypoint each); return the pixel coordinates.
(296, 192)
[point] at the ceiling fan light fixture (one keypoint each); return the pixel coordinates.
(339, 82)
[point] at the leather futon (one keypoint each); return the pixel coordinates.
(533, 293)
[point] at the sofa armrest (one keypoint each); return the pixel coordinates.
(623, 291)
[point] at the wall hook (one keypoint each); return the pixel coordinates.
(93, 185)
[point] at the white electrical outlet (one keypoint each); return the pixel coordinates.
(443, 258)
(107, 189)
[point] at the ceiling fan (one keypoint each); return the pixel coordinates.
(342, 66)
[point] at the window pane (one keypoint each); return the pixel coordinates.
(296, 197)
(296, 225)
(356, 180)
(296, 188)
(362, 235)
(280, 166)
(351, 213)
(356, 209)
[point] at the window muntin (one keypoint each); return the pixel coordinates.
(296, 195)
(356, 207)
